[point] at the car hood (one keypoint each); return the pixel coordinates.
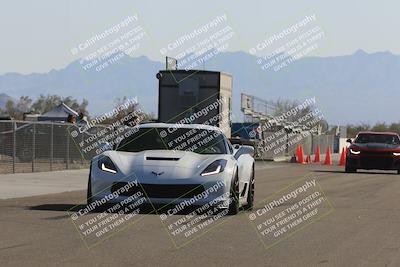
(376, 146)
(162, 164)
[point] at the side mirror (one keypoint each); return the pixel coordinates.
(349, 141)
(105, 146)
(242, 150)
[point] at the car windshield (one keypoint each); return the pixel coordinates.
(390, 139)
(200, 141)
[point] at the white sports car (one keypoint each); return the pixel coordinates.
(172, 164)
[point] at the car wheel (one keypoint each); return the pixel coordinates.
(250, 194)
(398, 171)
(349, 169)
(234, 196)
(89, 190)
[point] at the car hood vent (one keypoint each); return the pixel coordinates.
(162, 158)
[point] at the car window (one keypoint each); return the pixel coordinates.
(186, 139)
(378, 138)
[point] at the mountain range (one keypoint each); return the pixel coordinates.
(361, 87)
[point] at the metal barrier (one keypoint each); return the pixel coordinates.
(286, 145)
(39, 146)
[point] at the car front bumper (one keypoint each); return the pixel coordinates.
(373, 161)
(197, 191)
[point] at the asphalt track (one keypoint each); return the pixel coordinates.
(360, 229)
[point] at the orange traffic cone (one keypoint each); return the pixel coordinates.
(343, 157)
(328, 160)
(317, 154)
(301, 152)
(300, 155)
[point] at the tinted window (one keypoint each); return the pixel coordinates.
(195, 140)
(378, 138)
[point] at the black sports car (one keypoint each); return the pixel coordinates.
(374, 150)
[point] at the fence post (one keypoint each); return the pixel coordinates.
(287, 144)
(312, 144)
(33, 147)
(328, 143)
(51, 146)
(14, 125)
(80, 150)
(67, 165)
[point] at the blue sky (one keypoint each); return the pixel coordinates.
(37, 36)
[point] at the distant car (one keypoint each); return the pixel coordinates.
(374, 150)
(170, 173)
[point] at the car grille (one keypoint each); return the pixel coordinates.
(377, 162)
(162, 190)
(377, 153)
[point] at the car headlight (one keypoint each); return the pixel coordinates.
(396, 153)
(355, 152)
(106, 164)
(215, 167)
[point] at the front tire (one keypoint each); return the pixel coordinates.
(398, 171)
(349, 169)
(250, 194)
(89, 189)
(234, 196)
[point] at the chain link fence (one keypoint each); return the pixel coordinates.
(40, 146)
(46, 146)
